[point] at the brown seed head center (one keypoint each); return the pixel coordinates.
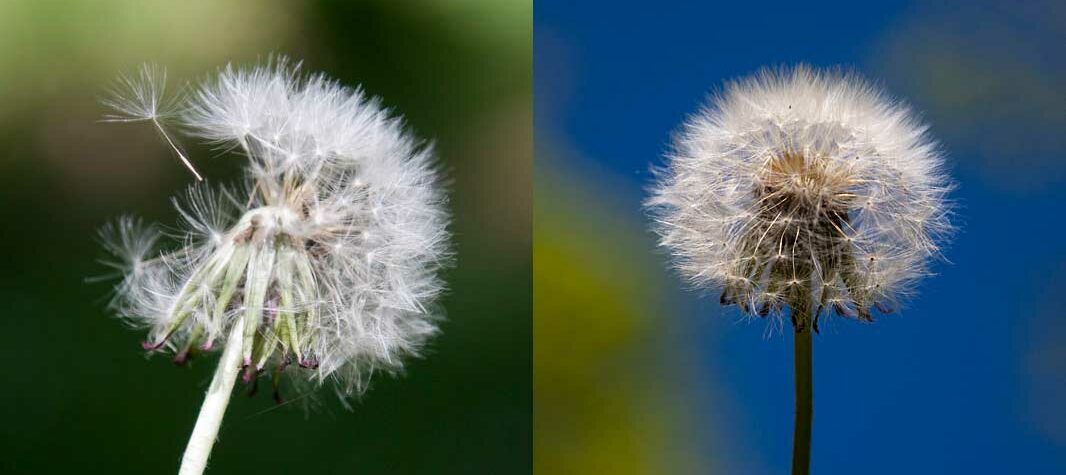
(813, 182)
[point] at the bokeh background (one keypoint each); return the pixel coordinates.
(79, 396)
(635, 375)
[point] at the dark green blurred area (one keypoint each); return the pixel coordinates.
(80, 396)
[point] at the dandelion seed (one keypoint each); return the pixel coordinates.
(807, 190)
(279, 270)
(144, 98)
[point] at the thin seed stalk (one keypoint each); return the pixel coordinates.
(194, 461)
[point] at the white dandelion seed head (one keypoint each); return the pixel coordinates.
(330, 251)
(796, 187)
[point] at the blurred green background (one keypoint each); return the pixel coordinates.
(79, 394)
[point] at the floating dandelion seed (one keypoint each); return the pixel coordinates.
(143, 98)
(326, 259)
(803, 189)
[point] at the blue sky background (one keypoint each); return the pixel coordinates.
(969, 378)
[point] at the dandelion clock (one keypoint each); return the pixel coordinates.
(803, 193)
(320, 268)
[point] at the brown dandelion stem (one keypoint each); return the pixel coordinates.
(801, 438)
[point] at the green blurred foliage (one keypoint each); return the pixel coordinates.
(609, 395)
(81, 396)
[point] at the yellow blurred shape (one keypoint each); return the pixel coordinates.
(596, 299)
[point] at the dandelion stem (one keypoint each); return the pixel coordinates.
(801, 441)
(214, 407)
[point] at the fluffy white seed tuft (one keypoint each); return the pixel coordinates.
(331, 250)
(803, 188)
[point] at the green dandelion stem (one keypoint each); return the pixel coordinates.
(803, 353)
(216, 399)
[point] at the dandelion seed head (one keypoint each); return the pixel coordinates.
(797, 187)
(330, 251)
